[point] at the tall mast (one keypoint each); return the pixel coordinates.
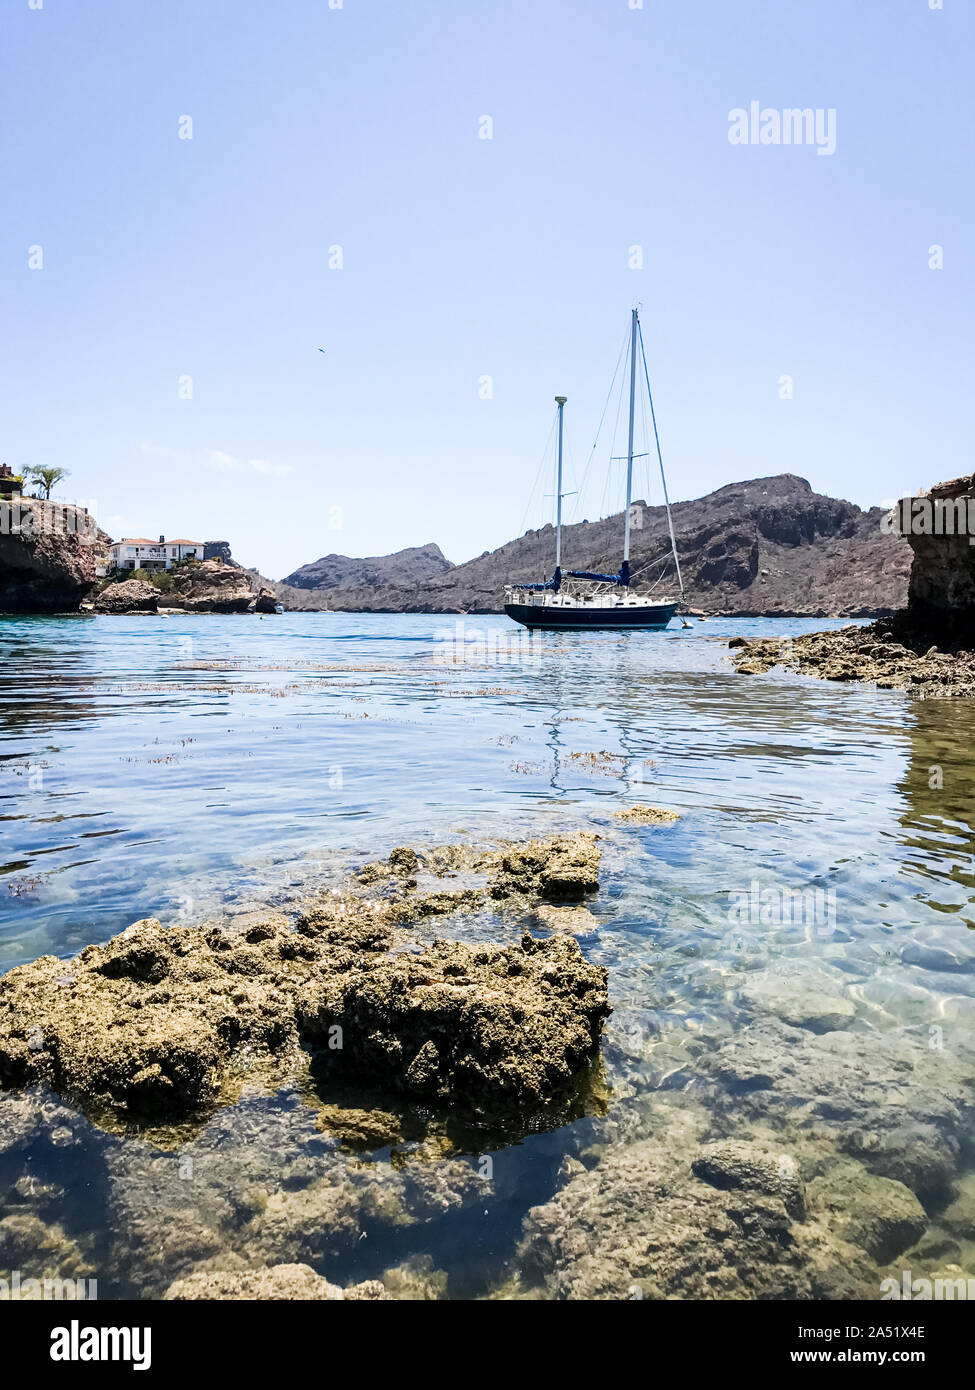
(629, 451)
(660, 457)
(560, 402)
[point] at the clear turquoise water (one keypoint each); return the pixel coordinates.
(195, 767)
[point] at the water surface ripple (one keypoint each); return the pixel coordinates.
(190, 768)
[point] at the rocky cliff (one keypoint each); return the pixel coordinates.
(48, 553)
(941, 594)
(768, 546)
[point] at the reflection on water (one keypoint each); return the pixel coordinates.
(938, 788)
(195, 768)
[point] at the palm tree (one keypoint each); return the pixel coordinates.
(46, 478)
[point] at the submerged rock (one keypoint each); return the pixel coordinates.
(416, 1281)
(802, 998)
(263, 1185)
(903, 1111)
(566, 917)
(729, 1164)
(878, 1214)
(958, 1216)
(649, 1222)
(39, 1249)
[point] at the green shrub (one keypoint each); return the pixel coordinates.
(159, 579)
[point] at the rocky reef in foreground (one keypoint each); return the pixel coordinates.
(784, 1163)
(928, 647)
(175, 1121)
(153, 1024)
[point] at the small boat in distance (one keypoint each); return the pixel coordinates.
(579, 598)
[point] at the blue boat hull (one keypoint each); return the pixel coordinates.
(652, 616)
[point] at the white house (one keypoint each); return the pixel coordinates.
(134, 553)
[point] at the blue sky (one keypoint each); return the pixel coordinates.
(464, 258)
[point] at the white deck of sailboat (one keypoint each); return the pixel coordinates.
(536, 600)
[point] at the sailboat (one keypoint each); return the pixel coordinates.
(579, 598)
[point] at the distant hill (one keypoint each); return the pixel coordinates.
(405, 567)
(767, 546)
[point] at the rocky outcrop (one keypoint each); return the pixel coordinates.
(128, 596)
(264, 602)
(941, 593)
(499, 1030)
(646, 815)
(153, 1023)
(47, 556)
(212, 586)
(561, 868)
(770, 545)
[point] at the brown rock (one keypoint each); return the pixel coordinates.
(647, 815)
(127, 596)
(279, 1282)
(151, 1023)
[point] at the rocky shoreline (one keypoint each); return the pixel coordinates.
(207, 586)
(887, 654)
(927, 648)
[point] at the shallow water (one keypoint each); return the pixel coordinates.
(192, 768)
